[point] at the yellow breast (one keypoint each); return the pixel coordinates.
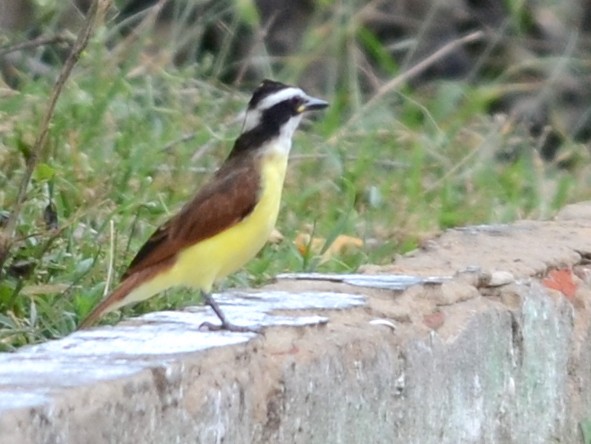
(215, 258)
(210, 260)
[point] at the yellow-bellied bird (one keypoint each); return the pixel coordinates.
(230, 218)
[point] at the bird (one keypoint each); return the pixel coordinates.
(229, 219)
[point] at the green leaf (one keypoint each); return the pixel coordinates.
(586, 429)
(44, 172)
(7, 322)
(248, 12)
(84, 265)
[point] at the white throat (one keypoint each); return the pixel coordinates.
(283, 144)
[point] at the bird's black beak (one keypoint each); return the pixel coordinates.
(313, 104)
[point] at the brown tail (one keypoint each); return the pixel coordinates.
(112, 302)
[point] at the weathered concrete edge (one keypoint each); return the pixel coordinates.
(505, 375)
(506, 364)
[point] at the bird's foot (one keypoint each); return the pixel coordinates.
(224, 323)
(228, 326)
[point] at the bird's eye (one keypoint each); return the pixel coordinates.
(296, 103)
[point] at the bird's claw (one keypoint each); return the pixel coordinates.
(228, 326)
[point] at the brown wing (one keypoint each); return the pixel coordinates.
(227, 199)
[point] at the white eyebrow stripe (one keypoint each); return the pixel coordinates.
(251, 119)
(280, 96)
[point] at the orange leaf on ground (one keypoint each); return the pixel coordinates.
(341, 245)
(276, 237)
(307, 244)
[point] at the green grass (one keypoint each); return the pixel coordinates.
(393, 174)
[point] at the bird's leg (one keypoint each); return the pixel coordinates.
(225, 324)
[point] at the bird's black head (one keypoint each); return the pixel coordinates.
(275, 104)
(274, 112)
(265, 89)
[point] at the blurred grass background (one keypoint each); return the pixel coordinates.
(493, 130)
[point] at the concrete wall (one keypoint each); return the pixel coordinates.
(494, 350)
